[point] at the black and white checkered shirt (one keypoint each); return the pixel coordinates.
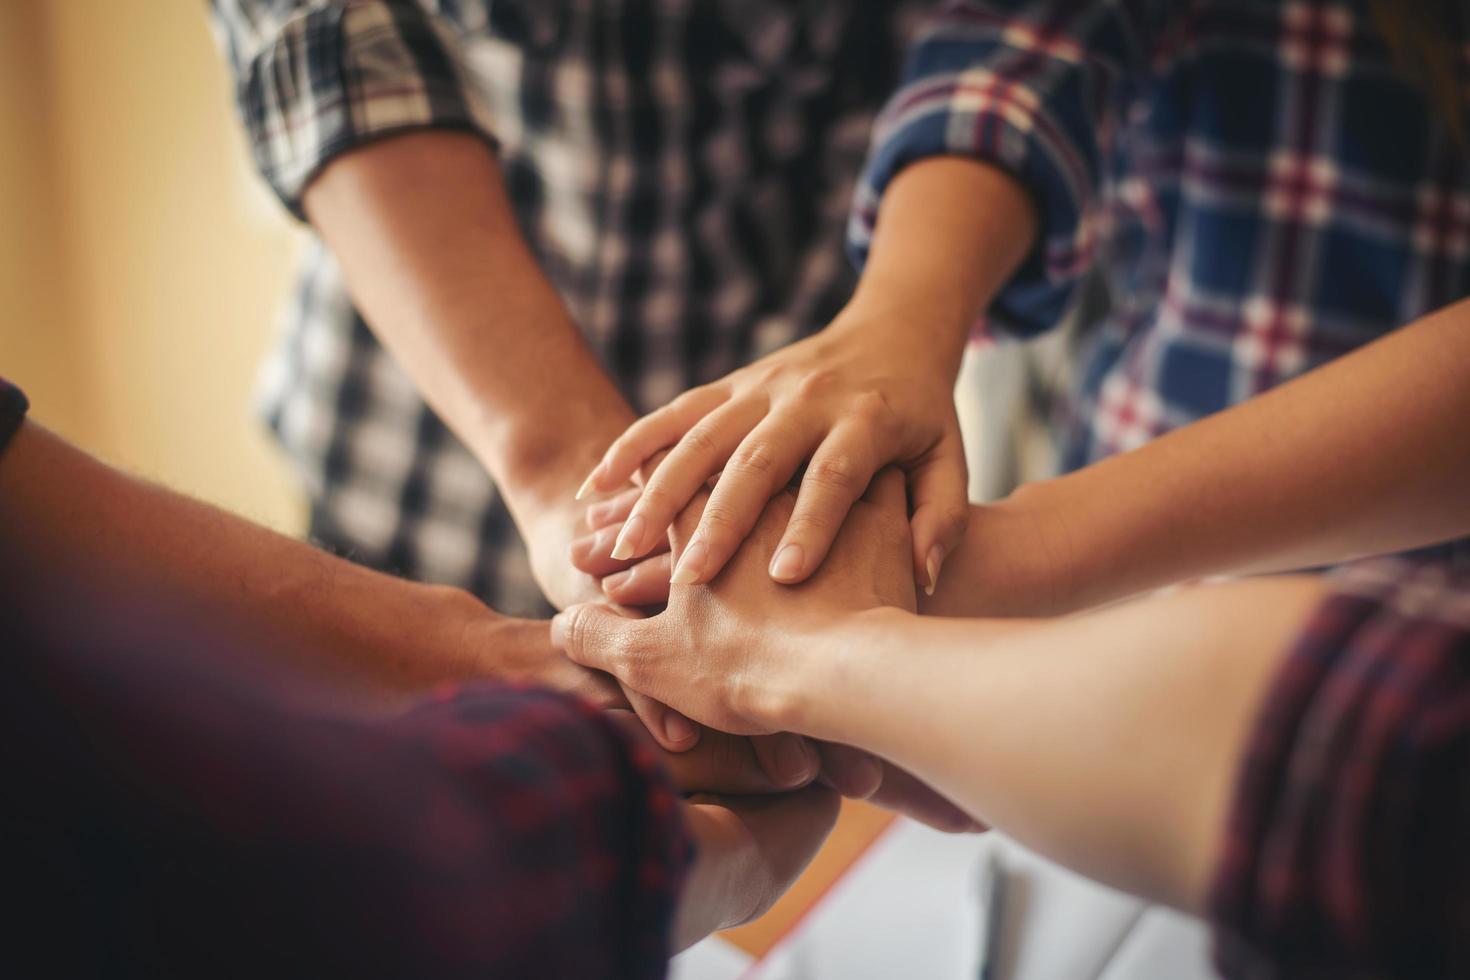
(682, 169)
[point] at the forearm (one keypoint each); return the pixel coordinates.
(934, 266)
(71, 527)
(432, 255)
(1108, 742)
(1366, 455)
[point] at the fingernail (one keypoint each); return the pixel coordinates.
(630, 538)
(613, 583)
(586, 486)
(787, 563)
(691, 564)
(677, 728)
(935, 559)
(794, 760)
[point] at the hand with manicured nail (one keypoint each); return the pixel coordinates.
(719, 649)
(742, 637)
(842, 404)
(637, 583)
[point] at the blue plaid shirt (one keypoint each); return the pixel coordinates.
(682, 171)
(1253, 183)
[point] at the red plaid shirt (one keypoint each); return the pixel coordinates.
(1348, 851)
(175, 807)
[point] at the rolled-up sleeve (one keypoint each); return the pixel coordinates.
(1347, 852)
(314, 80)
(1037, 89)
(13, 408)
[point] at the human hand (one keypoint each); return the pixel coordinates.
(789, 759)
(638, 582)
(749, 851)
(550, 534)
(520, 650)
(850, 400)
(551, 546)
(726, 654)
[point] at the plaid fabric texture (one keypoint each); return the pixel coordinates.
(1252, 181)
(683, 172)
(13, 408)
(177, 808)
(1347, 853)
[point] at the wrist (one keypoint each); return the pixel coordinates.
(826, 683)
(1020, 556)
(539, 468)
(913, 323)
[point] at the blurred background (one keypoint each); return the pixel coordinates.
(141, 262)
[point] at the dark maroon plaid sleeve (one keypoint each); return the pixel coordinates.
(1347, 853)
(173, 809)
(13, 408)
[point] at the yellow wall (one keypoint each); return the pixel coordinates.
(141, 263)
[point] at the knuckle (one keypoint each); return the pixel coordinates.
(701, 439)
(770, 374)
(718, 523)
(625, 648)
(808, 524)
(817, 383)
(841, 472)
(657, 496)
(874, 412)
(575, 626)
(757, 459)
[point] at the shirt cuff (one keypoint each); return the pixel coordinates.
(337, 77)
(1346, 853)
(13, 408)
(976, 112)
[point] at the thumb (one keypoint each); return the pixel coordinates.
(939, 488)
(598, 636)
(603, 638)
(671, 730)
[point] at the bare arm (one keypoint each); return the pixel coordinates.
(432, 254)
(1108, 741)
(1365, 455)
(79, 539)
(71, 526)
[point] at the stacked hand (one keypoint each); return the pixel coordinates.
(724, 653)
(844, 403)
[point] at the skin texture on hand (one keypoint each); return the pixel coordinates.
(718, 648)
(712, 638)
(843, 403)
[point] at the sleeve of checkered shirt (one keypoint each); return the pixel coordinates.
(315, 79)
(1347, 853)
(492, 831)
(13, 408)
(1034, 87)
